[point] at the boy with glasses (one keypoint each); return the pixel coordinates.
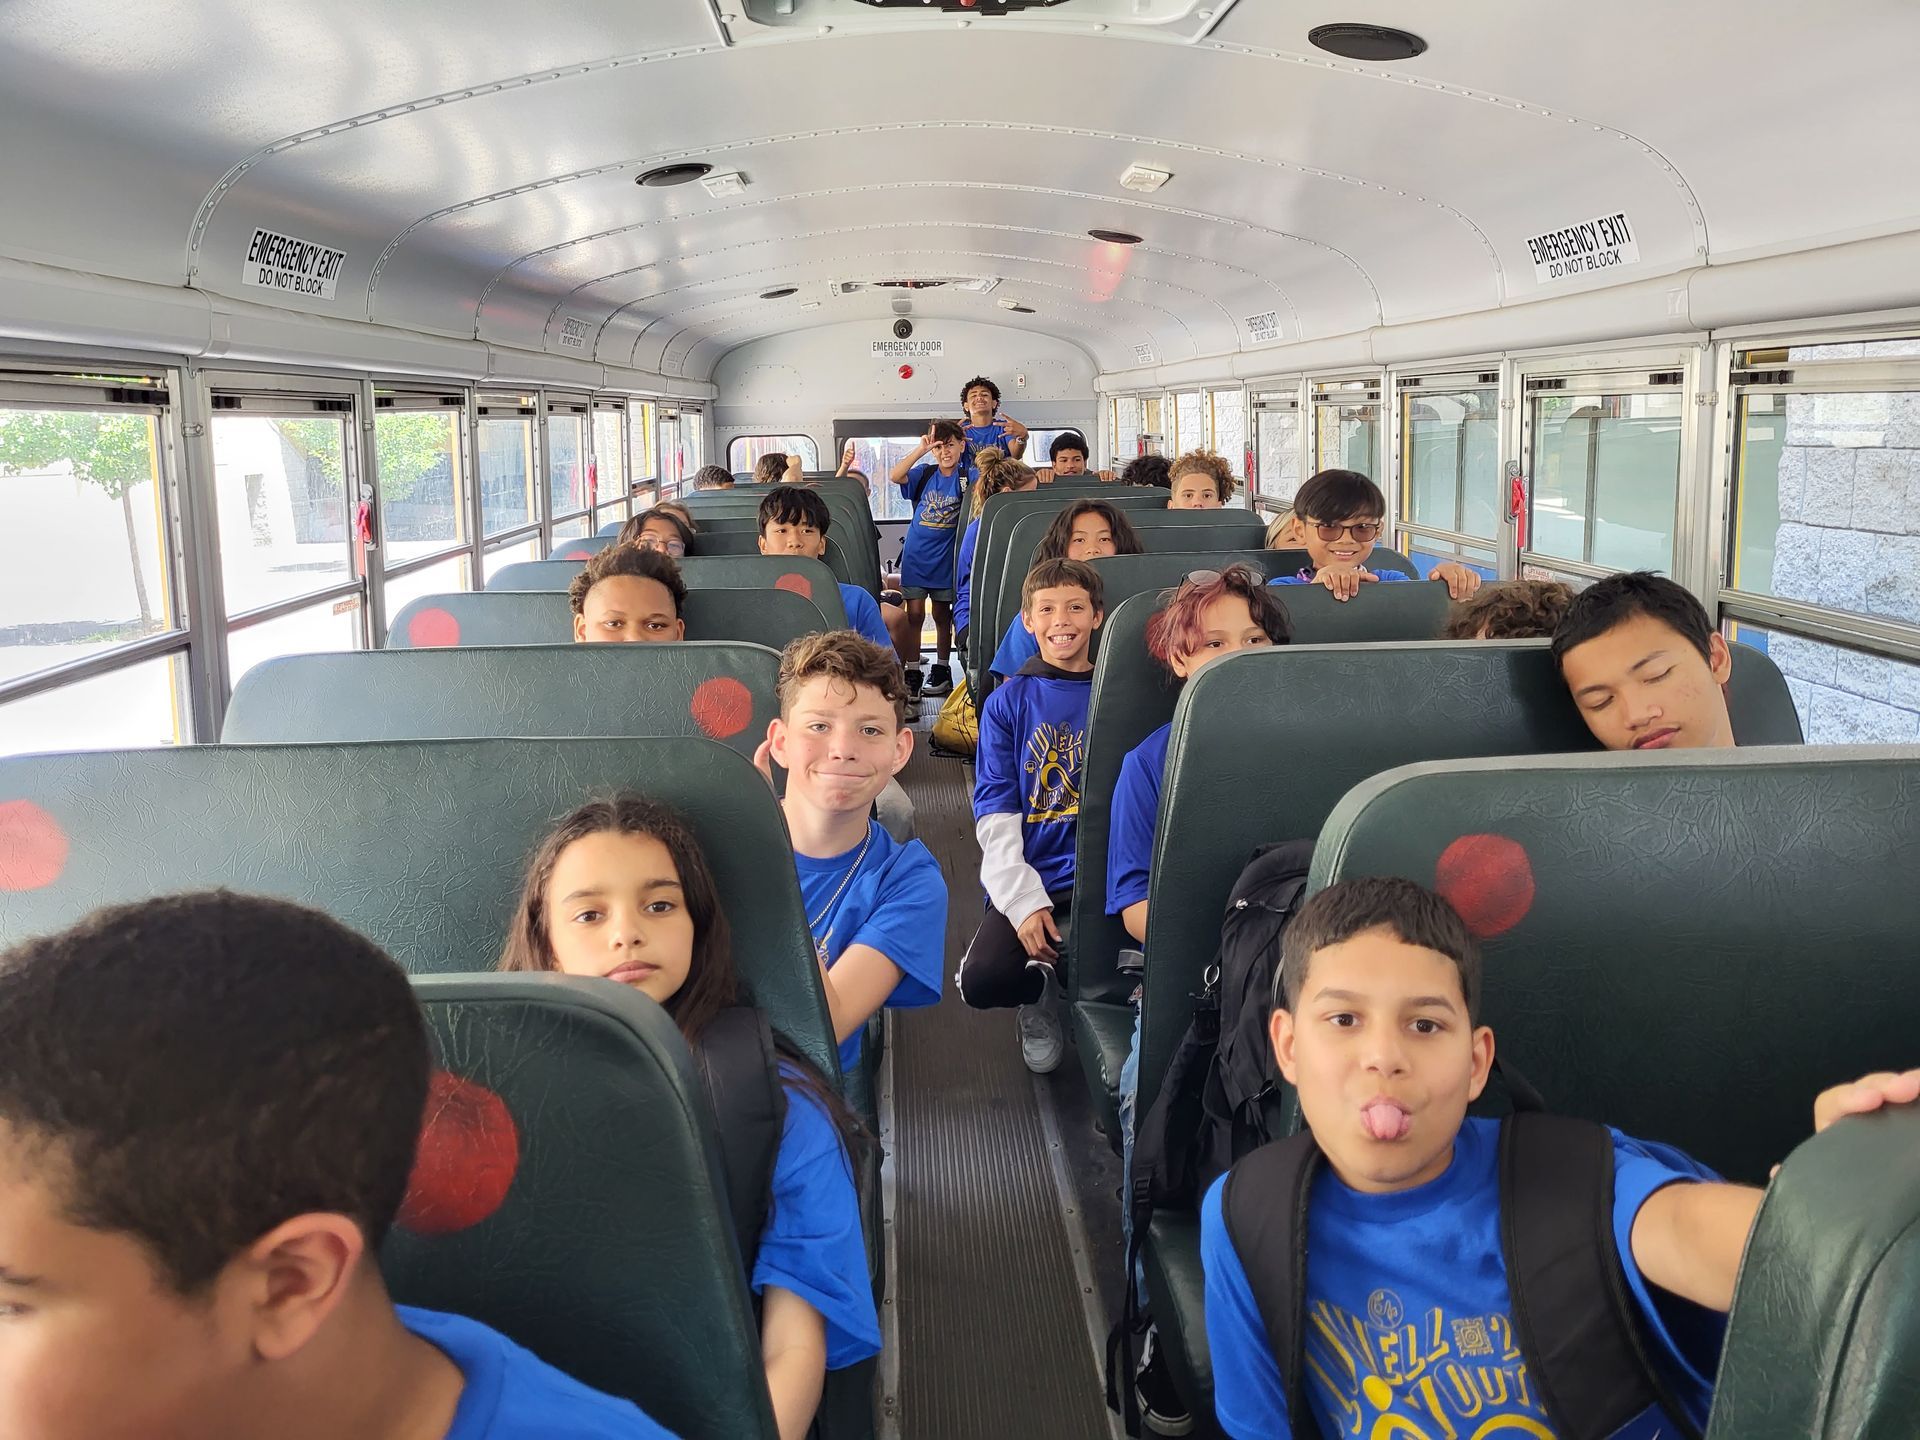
(1341, 514)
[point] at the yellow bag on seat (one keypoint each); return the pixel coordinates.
(956, 729)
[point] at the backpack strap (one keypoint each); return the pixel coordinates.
(742, 1078)
(1264, 1205)
(1573, 1318)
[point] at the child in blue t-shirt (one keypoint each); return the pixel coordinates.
(877, 908)
(1339, 515)
(999, 475)
(209, 1109)
(1084, 530)
(1378, 1035)
(926, 559)
(1026, 807)
(1210, 615)
(794, 520)
(620, 890)
(984, 424)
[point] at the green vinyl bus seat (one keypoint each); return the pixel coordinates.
(809, 579)
(419, 844)
(569, 1193)
(768, 617)
(852, 532)
(994, 608)
(1264, 745)
(718, 689)
(1821, 1343)
(1051, 498)
(1133, 696)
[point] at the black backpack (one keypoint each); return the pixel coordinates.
(741, 1073)
(1573, 1320)
(1219, 1099)
(739, 1058)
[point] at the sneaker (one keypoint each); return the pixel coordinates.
(1042, 1038)
(915, 683)
(939, 681)
(1162, 1410)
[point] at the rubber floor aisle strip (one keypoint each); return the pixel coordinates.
(990, 1315)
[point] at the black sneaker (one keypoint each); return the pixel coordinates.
(1162, 1410)
(939, 681)
(914, 683)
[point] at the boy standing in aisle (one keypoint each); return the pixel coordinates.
(984, 424)
(926, 560)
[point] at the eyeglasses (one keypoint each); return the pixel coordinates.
(1200, 577)
(672, 547)
(1364, 533)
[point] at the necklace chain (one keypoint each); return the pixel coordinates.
(813, 921)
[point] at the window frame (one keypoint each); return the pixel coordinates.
(1615, 378)
(26, 385)
(284, 394)
(1744, 373)
(1450, 378)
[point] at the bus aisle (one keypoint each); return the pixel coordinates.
(997, 1294)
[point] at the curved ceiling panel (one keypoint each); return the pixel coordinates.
(474, 162)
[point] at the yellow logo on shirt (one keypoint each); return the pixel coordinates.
(1387, 1377)
(1054, 757)
(939, 511)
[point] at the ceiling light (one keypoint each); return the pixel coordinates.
(671, 174)
(1115, 237)
(809, 304)
(781, 293)
(1144, 178)
(1366, 42)
(732, 182)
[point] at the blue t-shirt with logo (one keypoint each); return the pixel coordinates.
(1135, 810)
(1409, 1311)
(979, 437)
(812, 1244)
(512, 1394)
(863, 615)
(963, 579)
(1033, 750)
(896, 903)
(926, 560)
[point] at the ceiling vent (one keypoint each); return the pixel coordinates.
(1182, 19)
(977, 284)
(1115, 237)
(1374, 43)
(1144, 178)
(664, 175)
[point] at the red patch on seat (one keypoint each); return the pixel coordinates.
(1488, 879)
(798, 584)
(469, 1154)
(33, 847)
(721, 706)
(432, 628)
(575, 554)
